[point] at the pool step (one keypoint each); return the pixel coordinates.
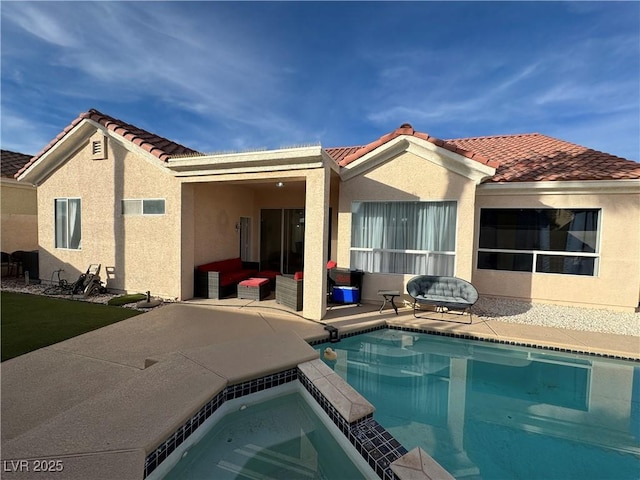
(293, 466)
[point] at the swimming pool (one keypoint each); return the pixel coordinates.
(277, 433)
(499, 411)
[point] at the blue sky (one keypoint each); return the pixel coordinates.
(237, 75)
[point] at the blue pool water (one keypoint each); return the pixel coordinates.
(278, 438)
(493, 411)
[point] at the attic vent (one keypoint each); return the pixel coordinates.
(98, 147)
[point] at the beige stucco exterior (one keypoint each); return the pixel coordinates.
(137, 252)
(19, 207)
(205, 198)
(408, 177)
(617, 284)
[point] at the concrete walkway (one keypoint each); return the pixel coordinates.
(98, 403)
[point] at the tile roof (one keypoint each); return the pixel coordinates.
(339, 153)
(534, 157)
(517, 158)
(407, 129)
(12, 162)
(155, 144)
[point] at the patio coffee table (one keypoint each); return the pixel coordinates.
(254, 289)
(388, 296)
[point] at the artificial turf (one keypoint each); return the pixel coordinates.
(125, 299)
(30, 322)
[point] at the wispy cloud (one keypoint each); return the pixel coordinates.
(40, 23)
(201, 65)
(220, 75)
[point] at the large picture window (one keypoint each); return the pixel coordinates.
(542, 240)
(404, 237)
(68, 223)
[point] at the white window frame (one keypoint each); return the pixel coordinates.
(428, 254)
(141, 202)
(595, 255)
(68, 233)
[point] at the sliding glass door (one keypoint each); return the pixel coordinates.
(282, 239)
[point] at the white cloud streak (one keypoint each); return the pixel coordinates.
(127, 50)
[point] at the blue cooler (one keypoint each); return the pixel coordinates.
(346, 294)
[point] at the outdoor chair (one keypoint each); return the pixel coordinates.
(16, 259)
(6, 263)
(289, 290)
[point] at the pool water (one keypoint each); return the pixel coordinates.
(279, 438)
(493, 411)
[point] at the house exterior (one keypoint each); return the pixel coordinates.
(18, 205)
(520, 216)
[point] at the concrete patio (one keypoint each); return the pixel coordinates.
(100, 402)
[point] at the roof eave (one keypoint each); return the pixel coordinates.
(561, 187)
(455, 162)
(50, 160)
(251, 162)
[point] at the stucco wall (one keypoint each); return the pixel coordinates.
(19, 227)
(137, 253)
(217, 209)
(407, 178)
(617, 284)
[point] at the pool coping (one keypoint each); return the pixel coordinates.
(144, 358)
(384, 454)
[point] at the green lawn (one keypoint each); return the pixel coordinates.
(30, 322)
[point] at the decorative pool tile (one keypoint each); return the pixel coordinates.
(377, 446)
(165, 449)
(499, 341)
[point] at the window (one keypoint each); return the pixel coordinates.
(404, 237)
(544, 240)
(143, 207)
(68, 223)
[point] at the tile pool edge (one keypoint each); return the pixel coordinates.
(377, 447)
(467, 336)
(230, 392)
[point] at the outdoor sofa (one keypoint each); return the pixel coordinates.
(220, 279)
(442, 293)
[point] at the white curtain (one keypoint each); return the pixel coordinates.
(75, 229)
(391, 228)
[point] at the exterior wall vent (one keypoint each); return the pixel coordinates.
(99, 147)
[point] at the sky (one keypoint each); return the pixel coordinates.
(236, 76)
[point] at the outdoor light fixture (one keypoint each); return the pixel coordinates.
(279, 184)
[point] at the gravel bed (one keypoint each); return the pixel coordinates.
(546, 315)
(504, 310)
(18, 286)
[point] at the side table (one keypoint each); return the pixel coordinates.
(388, 296)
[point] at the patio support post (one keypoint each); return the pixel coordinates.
(315, 243)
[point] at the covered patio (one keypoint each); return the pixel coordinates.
(277, 209)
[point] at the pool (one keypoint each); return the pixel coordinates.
(496, 411)
(278, 433)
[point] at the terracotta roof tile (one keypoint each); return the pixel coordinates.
(158, 146)
(517, 158)
(407, 129)
(339, 153)
(12, 162)
(535, 157)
